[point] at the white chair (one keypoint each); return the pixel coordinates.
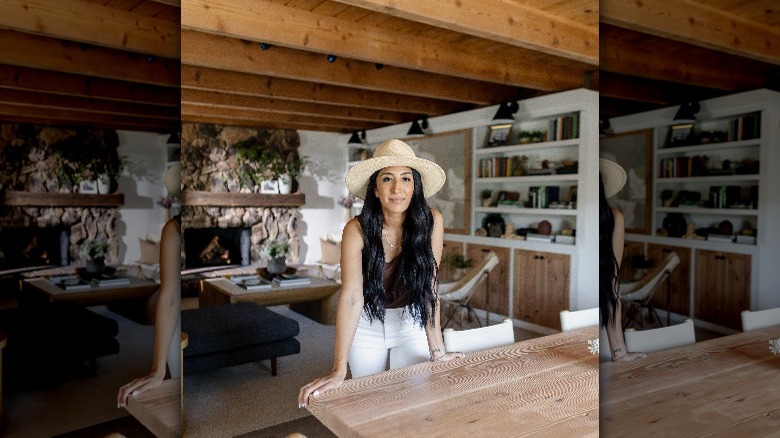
(636, 296)
(664, 338)
(482, 338)
(760, 319)
(572, 320)
(458, 294)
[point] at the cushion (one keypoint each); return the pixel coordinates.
(237, 356)
(231, 326)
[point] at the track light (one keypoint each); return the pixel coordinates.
(379, 66)
(604, 128)
(687, 112)
(506, 111)
(265, 46)
(418, 127)
(150, 58)
(174, 138)
(356, 137)
(331, 58)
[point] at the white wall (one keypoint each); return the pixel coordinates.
(142, 184)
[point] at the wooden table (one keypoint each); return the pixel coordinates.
(317, 300)
(546, 386)
(43, 288)
(159, 409)
(729, 386)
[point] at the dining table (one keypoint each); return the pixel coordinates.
(726, 386)
(546, 386)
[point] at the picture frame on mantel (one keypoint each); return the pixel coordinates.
(633, 151)
(88, 187)
(269, 187)
(452, 151)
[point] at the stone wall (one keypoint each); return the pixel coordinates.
(211, 162)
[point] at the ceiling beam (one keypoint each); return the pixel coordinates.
(92, 23)
(615, 107)
(261, 116)
(654, 63)
(207, 50)
(651, 91)
(202, 78)
(275, 23)
(23, 78)
(237, 101)
(45, 100)
(176, 3)
(698, 24)
(514, 23)
(194, 118)
(35, 51)
(75, 117)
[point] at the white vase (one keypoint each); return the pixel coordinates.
(103, 184)
(285, 184)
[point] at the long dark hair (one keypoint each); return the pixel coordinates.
(417, 274)
(608, 265)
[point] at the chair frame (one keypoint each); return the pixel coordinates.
(646, 303)
(484, 276)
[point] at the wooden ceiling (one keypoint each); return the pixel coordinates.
(120, 63)
(97, 63)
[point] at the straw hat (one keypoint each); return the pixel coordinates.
(613, 175)
(172, 179)
(395, 153)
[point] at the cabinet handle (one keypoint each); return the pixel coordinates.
(667, 250)
(720, 257)
(541, 257)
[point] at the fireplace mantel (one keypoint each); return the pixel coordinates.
(51, 199)
(234, 199)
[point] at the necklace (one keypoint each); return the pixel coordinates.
(384, 232)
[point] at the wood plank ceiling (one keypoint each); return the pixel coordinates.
(119, 63)
(97, 63)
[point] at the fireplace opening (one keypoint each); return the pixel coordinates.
(204, 247)
(22, 247)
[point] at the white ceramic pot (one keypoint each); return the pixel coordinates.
(285, 184)
(103, 184)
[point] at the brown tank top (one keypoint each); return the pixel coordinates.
(395, 299)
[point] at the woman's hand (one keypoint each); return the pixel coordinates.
(315, 387)
(139, 385)
(450, 355)
(628, 357)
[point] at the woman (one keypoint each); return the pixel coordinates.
(611, 236)
(166, 318)
(390, 255)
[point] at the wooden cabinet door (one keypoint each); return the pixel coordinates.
(449, 248)
(499, 280)
(680, 299)
(722, 287)
(630, 250)
(541, 287)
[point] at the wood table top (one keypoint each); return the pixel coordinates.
(546, 386)
(159, 409)
(712, 388)
(317, 289)
(137, 288)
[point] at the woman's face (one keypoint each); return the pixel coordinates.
(394, 188)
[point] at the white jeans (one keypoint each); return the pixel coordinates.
(399, 335)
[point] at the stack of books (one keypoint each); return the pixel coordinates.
(103, 280)
(534, 237)
(567, 240)
(291, 280)
(251, 282)
(71, 282)
(720, 238)
(749, 240)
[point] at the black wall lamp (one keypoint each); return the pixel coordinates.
(265, 46)
(687, 113)
(356, 137)
(331, 58)
(604, 128)
(506, 111)
(418, 127)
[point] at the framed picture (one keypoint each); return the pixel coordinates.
(632, 150)
(499, 135)
(88, 186)
(451, 151)
(680, 135)
(270, 187)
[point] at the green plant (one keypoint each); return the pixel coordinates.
(94, 249)
(456, 261)
(293, 165)
(276, 248)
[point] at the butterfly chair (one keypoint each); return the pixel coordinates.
(664, 338)
(572, 320)
(482, 338)
(459, 293)
(760, 319)
(637, 296)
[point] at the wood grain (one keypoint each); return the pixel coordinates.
(159, 409)
(138, 288)
(48, 199)
(707, 389)
(230, 199)
(547, 385)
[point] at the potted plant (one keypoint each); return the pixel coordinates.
(276, 250)
(288, 171)
(95, 251)
(456, 265)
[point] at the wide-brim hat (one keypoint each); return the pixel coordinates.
(172, 179)
(613, 176)
(395, 153)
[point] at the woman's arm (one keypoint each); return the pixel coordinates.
(433, 332)
(166, 313)
(347, 313)
(614, 329)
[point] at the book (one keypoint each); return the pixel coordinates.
(535, 237)
(291, 281)
(254, 283)
(720, 238)
(566, 240)
(71, 282)
(749, 240)
(109, 280)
